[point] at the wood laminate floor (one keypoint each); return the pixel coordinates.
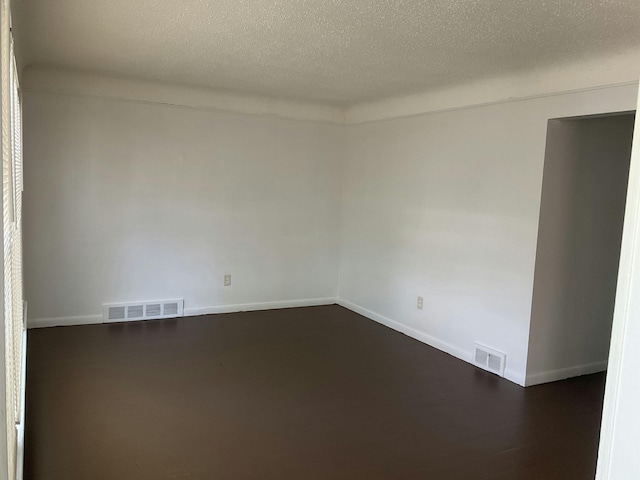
(304, 393)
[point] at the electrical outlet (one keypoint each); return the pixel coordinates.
(420, 303)
(227, 280)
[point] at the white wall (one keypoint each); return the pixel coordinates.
(61, 80)
(618, 457)
(583, 197)
(130, 201)
(446, 206)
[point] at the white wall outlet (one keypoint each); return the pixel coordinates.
(420, 303)
(227, 280)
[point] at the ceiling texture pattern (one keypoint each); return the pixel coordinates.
(335, 51)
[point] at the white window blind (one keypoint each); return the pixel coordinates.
(14, 328)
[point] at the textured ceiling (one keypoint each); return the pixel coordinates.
(336, 51)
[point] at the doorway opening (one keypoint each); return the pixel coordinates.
(586, 172)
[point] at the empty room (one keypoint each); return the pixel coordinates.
(261, 239)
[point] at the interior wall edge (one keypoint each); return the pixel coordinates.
(603, 72)
(69, 82)
(408, 113)
(575, 273)
(564, 373)
(453, 350)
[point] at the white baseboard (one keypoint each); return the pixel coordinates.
(250, 307)
(411, 332)
(188, 312)
(422, 337)
(514, 376)
(564, 373)
(64, 321)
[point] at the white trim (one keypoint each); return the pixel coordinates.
(402, 328)
(23, 396)
(514, 376)
(564, 373)
(188, 312)
(249, 307)
(434, 342)
(64, 321)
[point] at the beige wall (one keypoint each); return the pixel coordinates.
(581, 215)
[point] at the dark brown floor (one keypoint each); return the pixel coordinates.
(305, 393)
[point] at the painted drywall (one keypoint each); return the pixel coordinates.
(128, 201)
(446, 206)
(620, 433)
(615, 69)
(623, 460)
(62, 80)
(594, 73)
(580, 229)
